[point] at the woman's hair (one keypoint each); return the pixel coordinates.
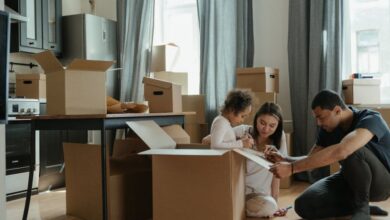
(274, 110)
(237, 101)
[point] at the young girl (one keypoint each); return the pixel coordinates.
(262, 188)
(237, 106)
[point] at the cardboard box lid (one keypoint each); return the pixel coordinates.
(93, 65)
(48, 62)
(152, 134)
(158, 83)
(177, 133)
(362, 82)
(30, 76)
(254, 70)
(185, 152)
(253, 157)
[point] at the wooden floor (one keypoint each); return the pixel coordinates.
(51, 205)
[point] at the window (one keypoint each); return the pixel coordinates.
(367, 41)
(177, 22)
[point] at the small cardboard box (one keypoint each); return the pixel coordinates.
(31, 86)
(164, 57)
(196, 131)
(173, 77)
(79, 89)
(194, 184)
(361, 91)
(129, 184)
(162, 96)
(258, 79)
(259, 99)
(195, 103)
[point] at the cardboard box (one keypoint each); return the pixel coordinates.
(164, 57)
(385, 112)
(195, 103)
(177, 133)
(258, 79)
(194, 184)
(128, 182)
(173, 77)
(162, 96)
(259, 99)
(196, 131)
(361, 91)
(79, 89)
(31, 86)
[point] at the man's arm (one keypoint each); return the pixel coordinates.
(319, 158)
(275, 156)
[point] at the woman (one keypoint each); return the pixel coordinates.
(262, 188)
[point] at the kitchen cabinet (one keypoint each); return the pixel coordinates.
(42, 31)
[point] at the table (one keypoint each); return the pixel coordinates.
(91, 122)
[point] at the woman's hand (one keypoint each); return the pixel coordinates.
(272, 154)
(281, 212)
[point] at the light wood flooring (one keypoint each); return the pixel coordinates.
(51, 205)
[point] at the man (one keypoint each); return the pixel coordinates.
(360, 141)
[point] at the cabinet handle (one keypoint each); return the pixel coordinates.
(52, 47)
(31, 43)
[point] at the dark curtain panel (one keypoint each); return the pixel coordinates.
(135, 27)
(226, 42)
(314, 54)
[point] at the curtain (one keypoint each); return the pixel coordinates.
(226, 41)
(314, 55)
(135, 38)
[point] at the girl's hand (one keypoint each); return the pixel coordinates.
(247, 142)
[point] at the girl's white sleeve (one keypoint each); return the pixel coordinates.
(219, 131)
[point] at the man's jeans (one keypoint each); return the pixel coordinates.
(362, 178)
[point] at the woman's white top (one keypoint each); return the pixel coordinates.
(258, 179)
(222, 134)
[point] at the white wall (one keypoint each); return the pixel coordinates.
(270, 24)
(103, 8)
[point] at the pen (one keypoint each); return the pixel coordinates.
(288, 207)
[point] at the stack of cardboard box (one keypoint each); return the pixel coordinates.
(263, 82)
(195, 124)
(361, 91)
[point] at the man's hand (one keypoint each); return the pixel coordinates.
(282, 169)
(272, 154)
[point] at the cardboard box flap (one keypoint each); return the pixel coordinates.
(361, 82)
(30, 76)
(255, 70)
(48, 62)
(93, 65)
(185, 152)
(247, 153)
(152, 134)
(157, 82)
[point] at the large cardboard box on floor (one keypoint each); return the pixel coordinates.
(162, 96)
(194, 184)
(79, 89)
(258, 79)
(179, 78)
(259, 99)
(164, 57)
(361, 91)
(31, 86)
(129, 184)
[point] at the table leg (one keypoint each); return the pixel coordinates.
(104, 173)
(31, 171)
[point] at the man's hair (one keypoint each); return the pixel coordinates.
(327, 99)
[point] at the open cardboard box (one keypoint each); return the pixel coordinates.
(78, 89)
(194, 183)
